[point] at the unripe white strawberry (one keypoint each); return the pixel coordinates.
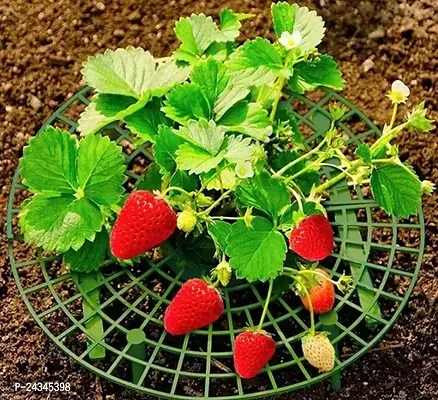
(319, 351)
(186, 221)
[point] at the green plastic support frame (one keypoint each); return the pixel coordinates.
(111, 321)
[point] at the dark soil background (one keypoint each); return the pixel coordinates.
(42, 46)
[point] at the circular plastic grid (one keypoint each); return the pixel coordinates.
(111, 322)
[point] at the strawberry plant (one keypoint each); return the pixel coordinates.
(231, 177)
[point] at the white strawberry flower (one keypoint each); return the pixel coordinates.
(244, 170)
(290, 40)
(399, 92)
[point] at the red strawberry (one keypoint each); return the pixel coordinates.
(322, 294)
(312, 239)
(144, 222)
(252, 351)
(196, 304)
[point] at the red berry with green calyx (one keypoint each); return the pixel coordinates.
(197, 304)
(144, 222)
(312, 238)
(321, 292)
(252, 351)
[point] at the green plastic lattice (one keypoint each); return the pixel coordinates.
(110, 322)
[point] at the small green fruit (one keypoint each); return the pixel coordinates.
(186, 221)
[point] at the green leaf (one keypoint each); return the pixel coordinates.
(203, 134)
(364, 152)
(145, 122)
(265, 193)
(186, 102)
(238, 149)
(104, 109)
(100, 169)
(49, 162)
(254, 77)
(248, 118)
(256, 63)
(311, 27)
(230, 24)
(283, 17)
(228, 98)
(225, 179)
(185, 181)
(196, 160)
(256, 253)
(306, 180)
(196, 33)
(165, 147)
(256, 53)
(396, 189)
(60, 223)
(59, 219)
(220, 51)
(210, 76)
(131, 72)
(111, 105)
(322, 71)
(152, 178)
(209, 95)
(219, 230)
(90, 256)
(90, 119)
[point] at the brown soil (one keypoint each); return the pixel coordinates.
(42, 46)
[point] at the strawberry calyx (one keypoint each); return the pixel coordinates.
(222, 273)
(256, 330)
(212, 284)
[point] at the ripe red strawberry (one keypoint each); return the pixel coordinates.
(145, 221)
(197, 304)
(312, 239)
(252, 351)
(322, 294)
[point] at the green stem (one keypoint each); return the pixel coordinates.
(260, 98)
(303, 157)
(217, 202)
(177, 189)
(383, 161)
(297, 188)
(388, 136)
(221, 218)
(297, 197)
(312, 314)
(312, 165)
(321, 188)
(394, 115)
(279, 87)
(265, 308)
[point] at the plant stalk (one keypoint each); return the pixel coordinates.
(321, 188)
(265, 308)
(217, 202)
(279, 88)
(303, 157)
